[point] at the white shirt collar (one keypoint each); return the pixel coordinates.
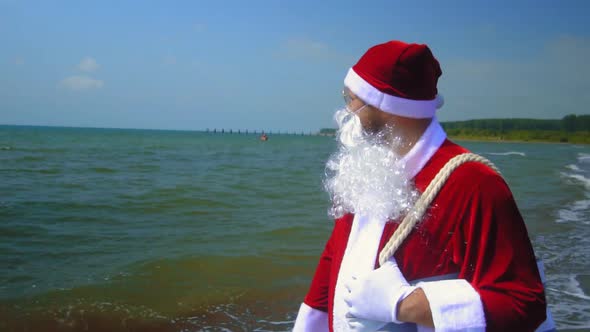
(433, 137)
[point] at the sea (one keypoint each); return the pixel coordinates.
(151, 230)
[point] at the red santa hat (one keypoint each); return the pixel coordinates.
(397, 78)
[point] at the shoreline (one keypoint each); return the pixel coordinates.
(493, 140)
(237, 310)
(496, 140)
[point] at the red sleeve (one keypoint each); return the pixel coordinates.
(497, 258)
(317, 296)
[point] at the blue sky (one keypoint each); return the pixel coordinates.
(278, 65)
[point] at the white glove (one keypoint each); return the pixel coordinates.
(375, 295)
(363, 325)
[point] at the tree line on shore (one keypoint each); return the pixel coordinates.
(571, 129)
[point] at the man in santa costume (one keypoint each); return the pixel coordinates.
(466, 265)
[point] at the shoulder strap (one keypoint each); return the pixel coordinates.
(412, 218)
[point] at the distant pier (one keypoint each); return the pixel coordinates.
(231, 131)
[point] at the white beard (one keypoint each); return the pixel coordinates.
(365, 176)
(350, 129)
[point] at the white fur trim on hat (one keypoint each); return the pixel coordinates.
(418, 109)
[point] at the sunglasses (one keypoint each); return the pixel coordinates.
(349, 98)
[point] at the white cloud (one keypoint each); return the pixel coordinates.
(169, 60)
(548, 84)
(307, 49)
(560, 66)
(78, 83)
(88, 64)
(199, 27)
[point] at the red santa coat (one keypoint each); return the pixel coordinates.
(473, 229)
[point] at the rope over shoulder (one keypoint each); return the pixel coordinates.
(412, 218)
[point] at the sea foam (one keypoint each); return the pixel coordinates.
(509, 153)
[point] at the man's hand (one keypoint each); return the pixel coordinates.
(375, 296)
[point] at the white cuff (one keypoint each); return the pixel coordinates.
(310, 320)
(455, 305)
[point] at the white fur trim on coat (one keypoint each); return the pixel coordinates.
(311, 320)
(455, 305)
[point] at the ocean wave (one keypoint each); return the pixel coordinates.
(578, 294)
(584, 157)
(581, 205)
(565, 215)
(575, 212)
(565, 254)
(573, 305)
(509, 153)
(5, 148)
(170, 305)
(577, 178)
(573, 167)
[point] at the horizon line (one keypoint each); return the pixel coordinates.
(248, 130)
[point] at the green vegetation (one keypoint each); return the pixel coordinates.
(570, 129)
(327, 132)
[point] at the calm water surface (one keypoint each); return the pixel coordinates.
(140, 230)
